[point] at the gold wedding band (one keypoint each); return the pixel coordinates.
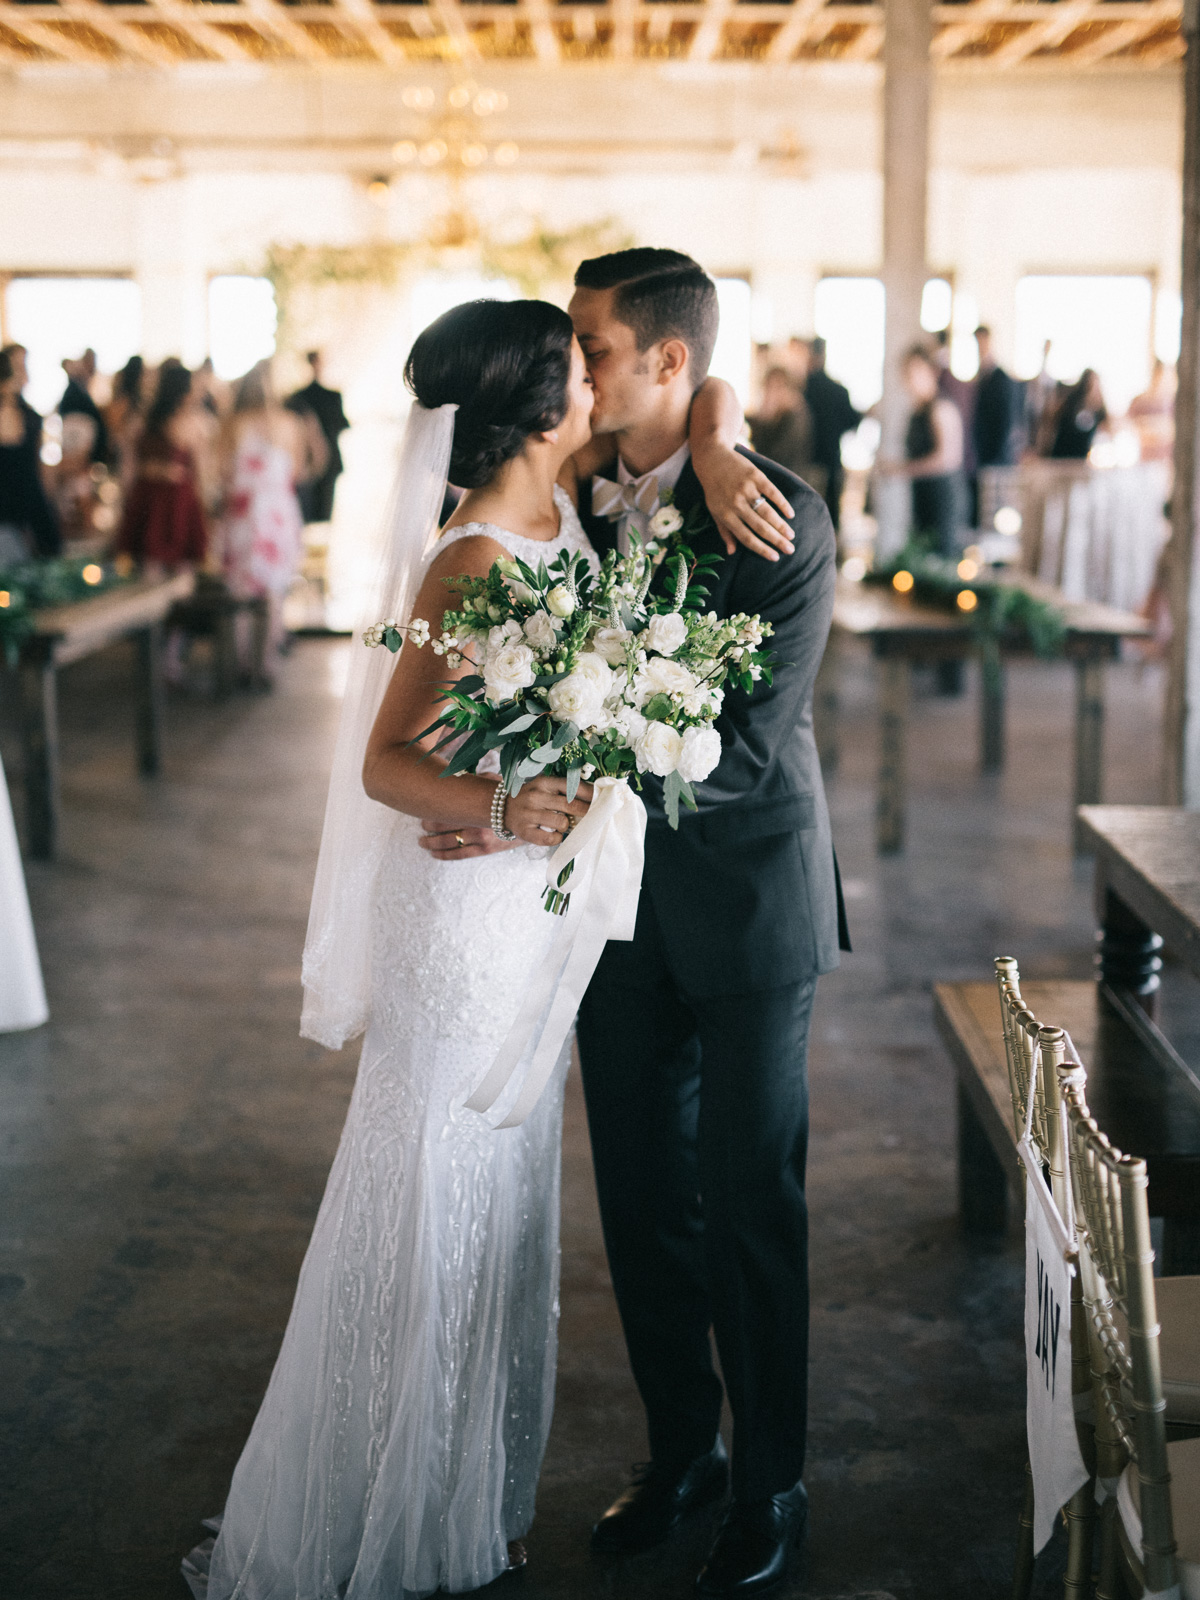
(460, 840)
(571, 821)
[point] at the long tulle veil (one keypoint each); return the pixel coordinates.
(337, 951)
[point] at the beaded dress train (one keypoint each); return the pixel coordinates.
(398, 1448)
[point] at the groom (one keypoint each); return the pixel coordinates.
(693, 1037)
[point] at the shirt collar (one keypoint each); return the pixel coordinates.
(667, 473)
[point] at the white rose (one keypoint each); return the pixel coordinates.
(700, 753)
(665, 634)
(539, 631)
(662, 676)
(665, 521)
(508, 670)
(610, 643)
(657, 749)
(579, 697)
(503, 633)
(560, 600)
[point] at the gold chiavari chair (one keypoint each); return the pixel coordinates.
(1034, 1053)
(1151, 1531)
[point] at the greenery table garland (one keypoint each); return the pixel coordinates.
(32, 586)
(998, 610)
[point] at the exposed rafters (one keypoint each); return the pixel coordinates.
(981, 35)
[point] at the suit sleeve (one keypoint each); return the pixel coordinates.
(794, 594)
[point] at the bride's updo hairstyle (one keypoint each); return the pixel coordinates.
(505, 364)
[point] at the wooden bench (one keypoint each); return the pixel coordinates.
(1143, 1104)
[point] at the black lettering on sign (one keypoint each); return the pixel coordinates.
(1049, 1319)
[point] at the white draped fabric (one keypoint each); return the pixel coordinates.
(22, 997)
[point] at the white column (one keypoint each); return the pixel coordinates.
(906, 83)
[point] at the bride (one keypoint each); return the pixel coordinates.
(398, 1447)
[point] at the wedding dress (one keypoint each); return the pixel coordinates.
(22, 997)
(398, 1448)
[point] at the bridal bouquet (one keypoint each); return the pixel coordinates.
(583, 675)
(600, 677)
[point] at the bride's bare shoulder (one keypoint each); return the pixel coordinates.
(471, 551)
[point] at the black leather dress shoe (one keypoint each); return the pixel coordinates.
(658, 1500)
(751, 1551)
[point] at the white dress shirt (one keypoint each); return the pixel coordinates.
(667, 475)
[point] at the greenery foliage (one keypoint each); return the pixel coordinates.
(1001, 608)
(32, 586)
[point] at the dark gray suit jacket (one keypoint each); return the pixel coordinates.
(746, 893)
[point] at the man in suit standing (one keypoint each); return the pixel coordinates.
(833, 416)
(995, 421)
(694, 1036)
(316, 496)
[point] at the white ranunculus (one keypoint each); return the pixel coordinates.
(580, 696)
(665, 521)
(507, 671)
(665, 634)
(560, 600)
(539, 631)
(663, 676)
(700, 754)
(657, 749)
(628, 723)
(503, 633)
(610, 643)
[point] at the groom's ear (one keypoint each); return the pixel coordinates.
(673, 358)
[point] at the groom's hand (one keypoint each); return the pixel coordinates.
(446, 842)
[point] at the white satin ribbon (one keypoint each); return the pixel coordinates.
(608, 849)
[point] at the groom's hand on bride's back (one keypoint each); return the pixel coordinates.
(539, 814)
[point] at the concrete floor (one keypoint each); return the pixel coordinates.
(165, 1141)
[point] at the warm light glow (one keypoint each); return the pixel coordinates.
(460, 95)
(474, 155)
(433, 152)
(902, 582)
(506, 154)
(967, 600)
(379, 191)
(1008, 520)
(92, 573)
(123, 565)
(404, 152)
(104, 518)
(487, 101)
(419, 99)
(967, 569)
(5, 599)
(854, 568)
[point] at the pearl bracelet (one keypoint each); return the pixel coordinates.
(499, 803)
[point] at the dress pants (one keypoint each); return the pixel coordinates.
(698, 1112)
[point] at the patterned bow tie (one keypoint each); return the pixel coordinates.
(616, 500)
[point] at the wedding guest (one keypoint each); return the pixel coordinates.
(933, 450)
(993, 424)
(163, 527)
(265, 451)
(28, 524)
(1041, 405)
(1080, 415)
(1153, 414)
(77, 403)
(833, 417)
(124, 417)
(316, 495)
(782, 428)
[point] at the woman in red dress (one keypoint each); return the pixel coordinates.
(163, 526)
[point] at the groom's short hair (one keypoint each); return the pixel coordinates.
(660, 294)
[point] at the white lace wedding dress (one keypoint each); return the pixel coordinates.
(398, 1448)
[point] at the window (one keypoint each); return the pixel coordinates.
(848, 315)
(57, 319)
(1090, 320)
(439, 292)
(242, 319)
(732, 353)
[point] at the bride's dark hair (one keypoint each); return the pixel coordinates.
(505, 363)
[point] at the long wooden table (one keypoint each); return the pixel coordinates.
(1147, 894)
(902, 633)
(64, 634)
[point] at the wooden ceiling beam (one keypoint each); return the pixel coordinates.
(706, 40)
(794, 29)
(541, 30)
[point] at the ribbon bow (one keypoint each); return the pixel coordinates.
(615, 500)
(607, 848)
